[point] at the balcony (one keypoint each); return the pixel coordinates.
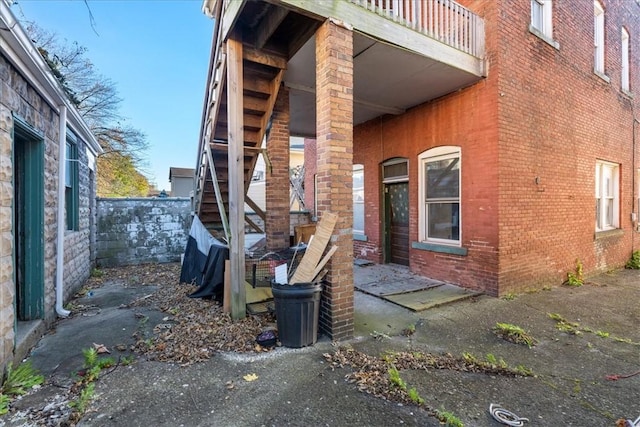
(406, 52)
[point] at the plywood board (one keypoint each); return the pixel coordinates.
(305, 271)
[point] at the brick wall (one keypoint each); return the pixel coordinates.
(556, 118)
(142, 230)
(277, 183)
(310, 170)
(530, 134)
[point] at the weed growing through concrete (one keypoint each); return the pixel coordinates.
(395, 380)
(97, 273)
(409, 330)
(93, 366)
(634, 262)
(415, 397)
(18, 382)
(514, 334)
(449, 419)
(574, 328)
(509, 296)
(81, 404)
(381, 376)
(575, 279)
(493, 361)
(564, 325)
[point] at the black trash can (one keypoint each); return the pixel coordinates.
(297, 310)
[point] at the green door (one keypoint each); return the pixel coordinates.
(28, 187)
(396, 201)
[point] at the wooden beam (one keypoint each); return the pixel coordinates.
(216, 189)
(253, 205)
(269, 24)
(259, 57)
(236, 177)
(253, 224)
(225, 148)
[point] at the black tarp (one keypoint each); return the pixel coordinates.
(203, 262)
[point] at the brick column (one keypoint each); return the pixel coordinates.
(334, 133)
(277, 178)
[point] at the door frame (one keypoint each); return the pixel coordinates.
(28, 188)
(388, 178)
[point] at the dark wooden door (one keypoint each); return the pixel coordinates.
(397, 222)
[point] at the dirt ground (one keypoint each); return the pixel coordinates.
(192, 366)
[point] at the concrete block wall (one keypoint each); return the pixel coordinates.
(141, 230)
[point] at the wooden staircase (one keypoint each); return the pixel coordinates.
(262, 76)
(268, 44)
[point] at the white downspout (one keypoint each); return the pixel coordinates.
(61, 225)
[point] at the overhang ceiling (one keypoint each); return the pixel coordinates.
(387, 80)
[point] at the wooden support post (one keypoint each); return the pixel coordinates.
(236, 177)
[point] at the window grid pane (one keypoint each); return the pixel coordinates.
(598, 37)
(625, 60)
(537, 15)
(443, 179)
(358, 200)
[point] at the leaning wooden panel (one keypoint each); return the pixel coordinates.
(313, 254)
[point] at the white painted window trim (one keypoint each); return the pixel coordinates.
(603, 171)
(542, 21)
(624, 46)
(598, 38)
(437, 153)
(358, 168)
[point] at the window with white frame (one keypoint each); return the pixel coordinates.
(607, 196)
(358, 199)
(541, 17)
(439, 187)
(598, 37)
(625, 60)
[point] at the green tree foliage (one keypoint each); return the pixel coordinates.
(121, 167)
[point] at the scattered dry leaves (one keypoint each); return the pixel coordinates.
(194, 328)
(371, 374)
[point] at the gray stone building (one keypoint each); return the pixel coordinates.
(47, 193)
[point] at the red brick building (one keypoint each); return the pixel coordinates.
(528, 140)
(492, 143)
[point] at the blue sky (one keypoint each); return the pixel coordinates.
(157, 54)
